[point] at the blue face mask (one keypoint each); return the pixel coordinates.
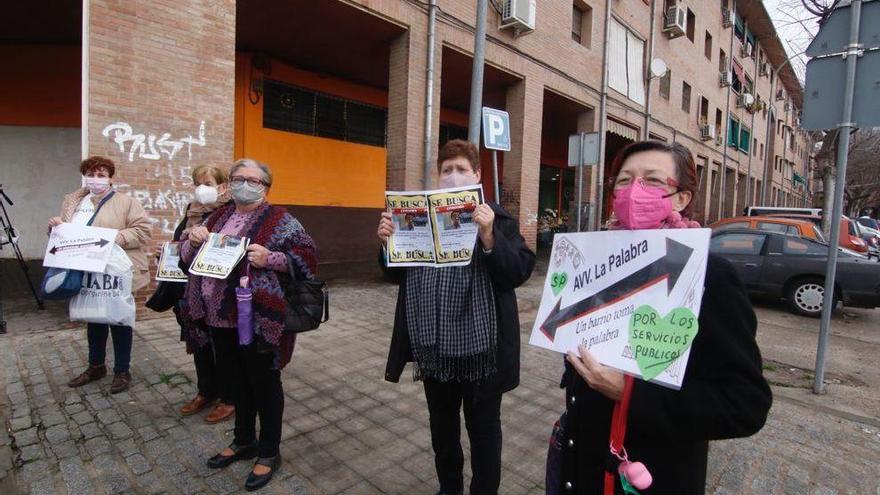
(247, 194)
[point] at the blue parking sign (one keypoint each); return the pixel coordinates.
(496, 129)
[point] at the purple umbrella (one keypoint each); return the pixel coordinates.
(243, 300)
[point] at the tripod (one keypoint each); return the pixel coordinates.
(8, 236)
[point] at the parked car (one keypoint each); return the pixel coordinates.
(793, 268)
(753, 211)
(850, 235)
(790, 226)
(868, 222)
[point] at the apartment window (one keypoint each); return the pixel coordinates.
(739, 29)
(745, 139)
(707, 48)
(665, 84)
(303, 111)
(704, 110)
(691, 22)
(722, 61)
(686, 97)
(754, 147)
(626, 66)
(732, 132)
(582, 23)
(762, 151)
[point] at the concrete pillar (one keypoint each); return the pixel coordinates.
(525, 102)
(406, 110)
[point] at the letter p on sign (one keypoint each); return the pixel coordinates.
(496, 129)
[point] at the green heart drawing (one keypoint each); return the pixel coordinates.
(656, 342)
(558, 281)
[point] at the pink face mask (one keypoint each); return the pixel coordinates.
(638, 206)
(96, 185)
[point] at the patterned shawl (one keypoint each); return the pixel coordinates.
(277, 230)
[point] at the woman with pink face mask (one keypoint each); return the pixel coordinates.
(459, 325)
(724, 394)
(117, 211)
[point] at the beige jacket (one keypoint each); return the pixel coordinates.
(125, 214)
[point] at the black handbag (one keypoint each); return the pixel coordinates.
(166, 296)
(308, 302)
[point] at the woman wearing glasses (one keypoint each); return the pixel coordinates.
(277, 240)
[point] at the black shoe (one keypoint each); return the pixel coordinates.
(239, 453)
(257, 481)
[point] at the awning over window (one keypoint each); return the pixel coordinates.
(738, 70)
(623, 130)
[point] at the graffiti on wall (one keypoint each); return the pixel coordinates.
(148, 146)
(172, 168)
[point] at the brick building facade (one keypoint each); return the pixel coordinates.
(332, 95)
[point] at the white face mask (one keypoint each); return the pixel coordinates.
(96, 185)
(457, 179)
(206, 194)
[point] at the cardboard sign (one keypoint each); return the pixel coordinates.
(631, 297)
(79, 247)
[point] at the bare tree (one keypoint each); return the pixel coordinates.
(863, 170)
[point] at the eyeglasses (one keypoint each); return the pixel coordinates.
(625, 180)
(238, 180)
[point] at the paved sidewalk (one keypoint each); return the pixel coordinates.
(345, 429)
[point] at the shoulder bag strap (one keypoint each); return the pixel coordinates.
(100, 204)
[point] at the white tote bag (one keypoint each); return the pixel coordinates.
(106, 297)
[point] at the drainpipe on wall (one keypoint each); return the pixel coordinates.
(477, 74)
(84, 96)
(648, 76)
(429, 95)
(603, 117)
(727, 116)
(752, 126)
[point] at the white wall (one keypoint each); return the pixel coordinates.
(38, 166)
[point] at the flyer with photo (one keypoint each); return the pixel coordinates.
(433, 228)
(219, 255)
(169, 269)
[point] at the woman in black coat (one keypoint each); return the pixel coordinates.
(501, 262)
(723, 395)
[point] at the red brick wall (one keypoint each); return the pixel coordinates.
(161, 69)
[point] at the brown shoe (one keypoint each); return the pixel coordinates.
(121, 381)
(196, 405)
(92, 373)
(221, 412)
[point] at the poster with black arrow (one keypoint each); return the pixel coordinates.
(79, 247)
(630, 297)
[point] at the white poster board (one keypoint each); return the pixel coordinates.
(79, 247)
(631, 297)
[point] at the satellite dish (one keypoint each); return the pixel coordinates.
(658, 67)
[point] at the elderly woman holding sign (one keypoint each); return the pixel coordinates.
(614, 425)
(278, 246)
(460, 326)
(98, 205)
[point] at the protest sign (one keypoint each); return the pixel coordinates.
(433, 228)
(631, 297)
(169, 269)
(219, 255)
(79, 247)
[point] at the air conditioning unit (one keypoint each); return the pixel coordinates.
(744, 100)
(726, 18)
(765, 69)
(725, 78)
(707, 132)
(675, 23)
(746, 50)
(519, 15)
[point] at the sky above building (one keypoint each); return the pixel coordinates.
(796, 27)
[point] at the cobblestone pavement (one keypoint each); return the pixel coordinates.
(345, 429)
